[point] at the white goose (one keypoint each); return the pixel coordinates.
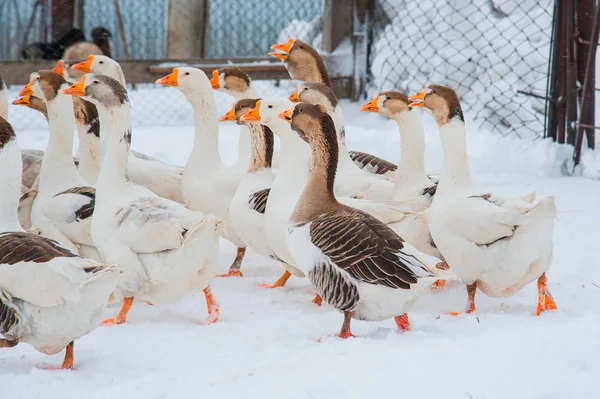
(49, 297)
(64, 203)
(166, 250)
(497, 244)
(350, 181)
(248, 205)
(355, 262)
(208, 184)
(159, 177)
(289, 183)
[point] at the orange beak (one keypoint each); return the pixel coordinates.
(418, 100)
(85, 66)
(229, 116)
(284, 48)
(371, 106)
(59, 68)
(253, 115)
(24, 100)
(76, 90)
(286, 115)
(170, 79)
(214, 81)
(295, 98)
(26, 91)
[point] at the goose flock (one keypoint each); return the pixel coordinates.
(77, 233)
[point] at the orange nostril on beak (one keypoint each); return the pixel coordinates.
(286, 115)
(371, 106)
(76, 90)
(169, 80)
(253, 115)
(229, 116)
(24, 100)
(85, 66)
(27, 90)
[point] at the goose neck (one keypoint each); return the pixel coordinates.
(10, 186)
(455, 174)
(206, 139)
(116, 140)
(412, 147)
(261, 139)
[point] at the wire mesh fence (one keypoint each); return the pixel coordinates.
(494, 53)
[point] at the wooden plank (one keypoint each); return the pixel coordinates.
(63, 12)
(337, 23)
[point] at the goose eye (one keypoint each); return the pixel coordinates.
(187, 73)
(301, 47)
(388, 98)
(306, 88)
(270, 106)
(38, 78)
(95, 82)
(300, 110)
(433, 90)
(101, 62)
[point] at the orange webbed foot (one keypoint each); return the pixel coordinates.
(279, 283)
(231, 273)
(317, 300)
(402, 322)
(212, 306)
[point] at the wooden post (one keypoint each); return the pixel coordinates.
(63, 12)
(122, 30)
(586, 11)
(571, 74)
(337, 22)
(185, 29)
(361, 39)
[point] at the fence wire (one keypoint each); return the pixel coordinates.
(494, 53)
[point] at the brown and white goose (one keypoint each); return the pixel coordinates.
(355, 262)
(48, 296)
(64, 204)
(494, 243)
(304, 63)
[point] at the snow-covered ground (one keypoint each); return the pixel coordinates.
(264, 344)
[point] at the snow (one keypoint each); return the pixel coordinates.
(264, 344)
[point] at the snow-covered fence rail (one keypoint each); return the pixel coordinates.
(494, 53)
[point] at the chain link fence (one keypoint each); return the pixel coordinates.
(494, 53)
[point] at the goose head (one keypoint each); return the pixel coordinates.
(230, 80)
(45, 85)
(192, 82)
(101, 90)
(302, 61)
(239, 109)
(439, 101)
(33, 102)
(309, 121)
(388, 103)
(98, 64)
(315, 93)
(266, 111)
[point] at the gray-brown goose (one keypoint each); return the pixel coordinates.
(48, 296)
(355, 262)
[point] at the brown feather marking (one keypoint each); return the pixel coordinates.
(379, 166)
(258, 200)
(26, 247)
(86, 210)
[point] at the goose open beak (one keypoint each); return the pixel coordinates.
(253, 115)
(418, 100)
(229, 116)
(371, 106)
(27, 90)
(85, 66)
(286, 115)
(76, 90)
(59, 68)
(214, 81)
(24, 100)
(295, 98)
(284, 49)
(170, 79)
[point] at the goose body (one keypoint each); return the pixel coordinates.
(166, 250)
(48, 296)
(354, 261)
(494, 243)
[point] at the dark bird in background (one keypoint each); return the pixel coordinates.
(71, 46)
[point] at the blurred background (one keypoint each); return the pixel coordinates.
(499, 55)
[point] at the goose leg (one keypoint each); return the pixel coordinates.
(345, 331)
(545, 300)
(68, 362)
(471, 290)
(7, 343)
(212, 306)
(440, 283)
(122, 316)
(279, 283)
(234, 269)
(402, 322)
